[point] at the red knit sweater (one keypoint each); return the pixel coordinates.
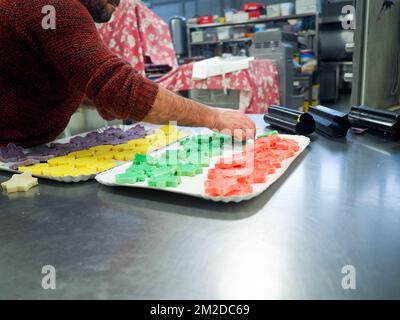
(45, 73)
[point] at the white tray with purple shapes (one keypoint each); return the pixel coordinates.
(12, 156)
(194, 186)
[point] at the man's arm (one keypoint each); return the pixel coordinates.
(117, 90)
(75, 49)
(169, 106)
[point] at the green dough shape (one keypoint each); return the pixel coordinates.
(145, 159)
(135, 171)
(163, 171)
(130, 178)
(140, 159)
(189, 170)
(185, 141)
(175, 154)
(173, 157)
(268, 134)
(165, 182)
(199, 160)
(138, 168)
(204, 139)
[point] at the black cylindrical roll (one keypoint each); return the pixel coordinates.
(379, 120)
(290, 120)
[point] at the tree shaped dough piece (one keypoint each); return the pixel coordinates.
(20, 183)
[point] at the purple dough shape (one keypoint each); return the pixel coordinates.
(124, 140)
(92, 135)
(107, 140)
(61, 152)
(40, 158)
(80, 140)
(136, 131)
(121, 135)
(27, 162)
(139, 127)
(113, 132)
(89, 144)
(57, 145)
(42, 150)
(12, 153)
(111, 141)
(134, 137)
(68, 147)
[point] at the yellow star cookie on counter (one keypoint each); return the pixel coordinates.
(20, 183)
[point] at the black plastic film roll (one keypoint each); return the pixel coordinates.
(331, 122)
(382, 121)
(290, 120)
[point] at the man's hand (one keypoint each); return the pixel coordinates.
(234, 123)
(170, 107)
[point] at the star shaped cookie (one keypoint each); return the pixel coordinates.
(20, 183)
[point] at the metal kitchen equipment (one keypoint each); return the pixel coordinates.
(290, 120)
(280, 47)
(178, 30)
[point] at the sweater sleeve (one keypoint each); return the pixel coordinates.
(75, 49)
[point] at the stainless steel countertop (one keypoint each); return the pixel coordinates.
(339, 204)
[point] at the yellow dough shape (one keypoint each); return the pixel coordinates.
(20, 183)
(141, 149)
(170, 130)
(60, 161)
(102, 148)
(101, 166)
(81, 154)
(84, 162)
(36, 169)
(82, 172)
(139, 142)
(105, 155)
(123, 147)
(59, 171)
(153, 137)
(126, 155)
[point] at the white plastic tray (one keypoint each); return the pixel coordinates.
(195, 186)
(82, 178)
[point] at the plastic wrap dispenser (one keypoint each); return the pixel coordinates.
(290, 120)
(382, 121)
(330, 122)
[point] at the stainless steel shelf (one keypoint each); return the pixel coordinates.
(220, 41)
(251, 21)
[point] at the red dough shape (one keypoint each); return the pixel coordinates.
(236, 175)
(243, 190)
(237, 160)
(229, 173)
(221, 186)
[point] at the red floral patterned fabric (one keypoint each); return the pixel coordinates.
(134, 32)
(258, 85)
